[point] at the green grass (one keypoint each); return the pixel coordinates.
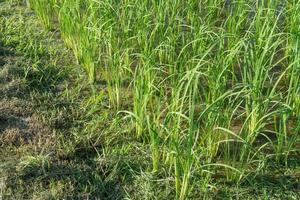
(176, 99)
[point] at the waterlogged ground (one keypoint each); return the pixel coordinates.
(54, 144)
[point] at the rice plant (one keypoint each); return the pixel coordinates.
(213, 84)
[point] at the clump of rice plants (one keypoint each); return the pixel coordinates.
(212, 85)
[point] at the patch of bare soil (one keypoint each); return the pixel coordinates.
(19, 125)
